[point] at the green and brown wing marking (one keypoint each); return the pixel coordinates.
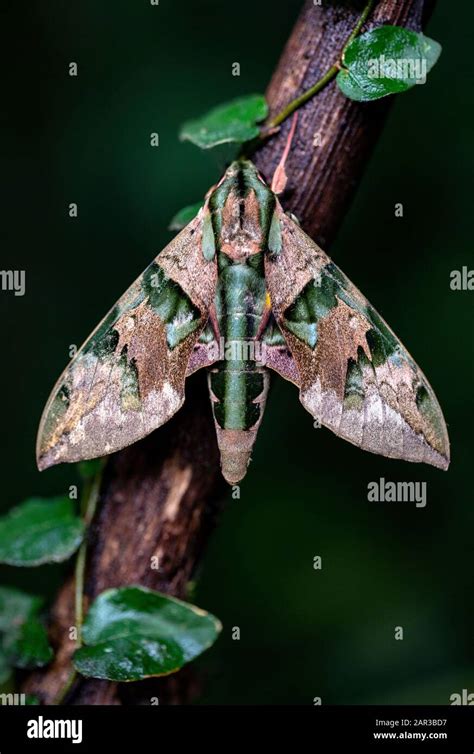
(128, 377)
(354, 374)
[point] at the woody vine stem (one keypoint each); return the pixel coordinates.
(89, 500)
(323, 81)
(91, 491)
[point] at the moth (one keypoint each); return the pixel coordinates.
(243, 292)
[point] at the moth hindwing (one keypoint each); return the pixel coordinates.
(244, 291)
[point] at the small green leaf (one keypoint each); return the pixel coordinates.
(386, 60)
(5, 665)
(31, 699)
(134, 633)
(16, 607)
(23, 638)
(184, 216)
(233, 122)
(31, 648)
(40, 531)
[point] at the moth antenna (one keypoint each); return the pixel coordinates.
(280, 177)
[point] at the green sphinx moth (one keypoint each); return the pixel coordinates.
(242, 291)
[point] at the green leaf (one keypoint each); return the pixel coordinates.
(31, 648)
(184, 216)
(5, 665)
(23, 638)
(233, 122)
(386, 60)
(134, 633)
(16, 607)
(31, 699)
(40, 531)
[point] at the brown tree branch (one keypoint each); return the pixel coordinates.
(159, 499)
(323, 179)
(161, 496)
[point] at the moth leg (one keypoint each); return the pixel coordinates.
(294, 218)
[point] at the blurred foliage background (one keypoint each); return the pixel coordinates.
(143, 69)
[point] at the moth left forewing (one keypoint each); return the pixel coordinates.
(355, 376)
(189, 260)
(128, 377)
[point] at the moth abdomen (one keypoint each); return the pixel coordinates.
(238, 384)
(238, 391)
(238, 394)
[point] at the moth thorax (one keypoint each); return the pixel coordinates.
(241, 235)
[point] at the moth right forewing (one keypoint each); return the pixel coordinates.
(356, 377)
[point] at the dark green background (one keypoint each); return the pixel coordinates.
(304, 633)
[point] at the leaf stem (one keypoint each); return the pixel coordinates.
(324, 80)
(362, 19)
(64, 690)
(89, 500)
(303, 98)
(88, 507)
